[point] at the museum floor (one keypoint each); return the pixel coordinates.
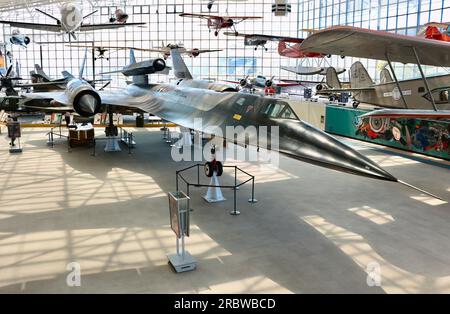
(313, 230)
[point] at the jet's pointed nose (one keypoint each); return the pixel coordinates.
(302, 141)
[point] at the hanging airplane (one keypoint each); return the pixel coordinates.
(193, 53)
(287, 46)
(18, 39)
(188, 99)
(211, 2)
(413, 95)
(164, 50)
(217, 23)
(437, 31)
(71, 21)
(311, 70)
(119, 17)
(261, 83)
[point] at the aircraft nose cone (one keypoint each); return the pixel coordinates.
(302, 141)
(88, 103)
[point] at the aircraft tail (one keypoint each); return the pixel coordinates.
(38, 71)
(137, 79)
(332, 78)
(385, 76)
(132, 57)
(83, 65)
(359, 77)
(180, 69)
(67, 75)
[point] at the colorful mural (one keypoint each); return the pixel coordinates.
(424, 135)
(430, 137)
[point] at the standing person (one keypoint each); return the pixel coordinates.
(67, 117)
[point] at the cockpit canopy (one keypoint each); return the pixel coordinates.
(274, 108)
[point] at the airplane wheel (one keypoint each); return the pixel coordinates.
(267, 49)
(342, 57)
(219, 169)
(355, 104)
(216, 33)
(209, 169)
(236, 34)
(256, 48)
(328, 56)
(331, 98)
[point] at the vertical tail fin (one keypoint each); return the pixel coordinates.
(39, 74)
(17, 69)
(132, 57)
(180, 69)
(83, 65)
(359, 77)
(137, 79)
(332, 78)
(385, 76)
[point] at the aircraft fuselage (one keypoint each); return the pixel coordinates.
(387, 94)
(206, 110)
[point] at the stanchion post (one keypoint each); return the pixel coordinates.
(253, 199)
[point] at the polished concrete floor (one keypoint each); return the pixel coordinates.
(313, 230)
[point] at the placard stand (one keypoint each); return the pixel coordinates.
(14, 133)
(181, 261)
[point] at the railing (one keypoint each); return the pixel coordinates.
(51, 136)
(234, 187)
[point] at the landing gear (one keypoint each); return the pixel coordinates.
(342, 57)
(216, 33)
(355, 104)
(111, 132)
(214, 165)
(328, 56)
(332, 98)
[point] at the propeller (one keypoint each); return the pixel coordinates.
(244, 82)
(6, 81)
(269, 82)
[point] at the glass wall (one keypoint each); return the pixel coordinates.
(164, 26)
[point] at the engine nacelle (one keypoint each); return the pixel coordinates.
(221, 88)
(195, 52)
(204, 84)
(83, 97)
(26, 40)
(320, 87)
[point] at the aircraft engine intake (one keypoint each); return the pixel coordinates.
(87, 103)
(195, 53)
(27, 40)
(320, 87)
(159, 65)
